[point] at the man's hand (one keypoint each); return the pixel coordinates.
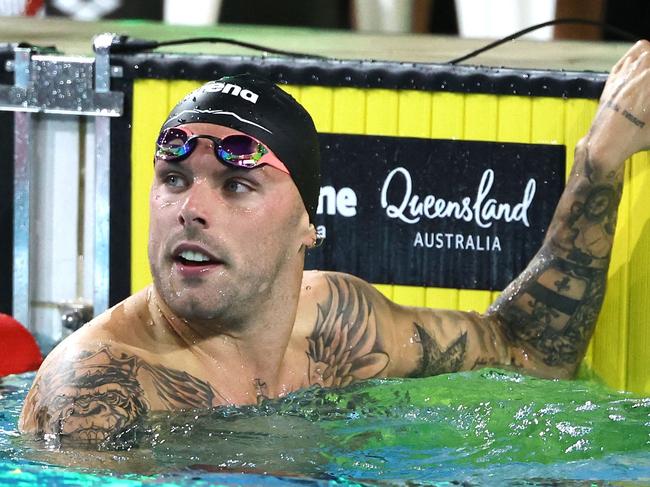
(622, 124)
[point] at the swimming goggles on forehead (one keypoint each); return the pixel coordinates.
(239, 150)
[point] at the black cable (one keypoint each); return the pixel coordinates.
(610, 28)
(248, 45)
(129, 45)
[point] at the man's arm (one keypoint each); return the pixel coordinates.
(550, 310)
(89, 397)
(543, 321)
(359, 334)
(100, 397)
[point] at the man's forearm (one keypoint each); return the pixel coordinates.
(551, 309)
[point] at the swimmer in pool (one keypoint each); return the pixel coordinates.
(232, 318)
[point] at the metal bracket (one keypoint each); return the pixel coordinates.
(102, 205)
(54, 84)
(74, 315)
(22, 214)
(64, 85)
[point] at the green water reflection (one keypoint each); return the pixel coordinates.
(487, 426)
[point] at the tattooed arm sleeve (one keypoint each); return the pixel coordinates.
(360, 334)
(543, 321)
(98, 397)
(92, 398)
(550, 311)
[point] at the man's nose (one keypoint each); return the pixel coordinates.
(196, 207)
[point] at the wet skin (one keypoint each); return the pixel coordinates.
(249, 323)
(234, 217)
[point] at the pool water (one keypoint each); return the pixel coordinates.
(486, 427)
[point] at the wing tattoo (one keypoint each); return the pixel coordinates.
(343, 346)
(180, 390)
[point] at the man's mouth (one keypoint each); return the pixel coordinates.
(193, 257)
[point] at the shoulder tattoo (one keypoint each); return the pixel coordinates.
(344, 346)
(98, 395)
(435, 360)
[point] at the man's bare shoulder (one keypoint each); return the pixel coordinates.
(316, 284)
(102, 391)
(105, 377)
(345, 315)
(111, 330)
(80, 376)
(135, 325)
(121, 324)
(364, 334)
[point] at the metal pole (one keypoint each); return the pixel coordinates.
(102, 179)
(22, 197)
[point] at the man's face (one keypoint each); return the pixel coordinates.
(219, 235)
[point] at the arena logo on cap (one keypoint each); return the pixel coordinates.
(232, 89)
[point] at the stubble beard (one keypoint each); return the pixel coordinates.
(233, 304)
(196, 300)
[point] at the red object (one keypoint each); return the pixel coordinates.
(33, 7)
(18, 349)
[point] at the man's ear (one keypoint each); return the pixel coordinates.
(309, 238)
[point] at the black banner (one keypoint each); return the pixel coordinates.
(440, 213)
(6, 195)
(6, 209)
(366, 74)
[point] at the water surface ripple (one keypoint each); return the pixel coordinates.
(484, 427)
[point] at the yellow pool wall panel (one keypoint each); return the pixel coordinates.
(618, 352)
(638, 356)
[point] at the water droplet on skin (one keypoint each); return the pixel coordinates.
(307, 288)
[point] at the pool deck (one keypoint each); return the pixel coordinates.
(74, 38)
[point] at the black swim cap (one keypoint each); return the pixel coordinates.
(259, 108)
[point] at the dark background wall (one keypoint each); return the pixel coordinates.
(6, 195)
(430, 16)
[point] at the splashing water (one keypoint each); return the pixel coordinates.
(488, 426)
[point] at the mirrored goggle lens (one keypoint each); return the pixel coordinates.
(237, 150)
(240, 150)
(173, 144)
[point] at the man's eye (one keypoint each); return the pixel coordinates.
(236, 187)
(174, 181)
